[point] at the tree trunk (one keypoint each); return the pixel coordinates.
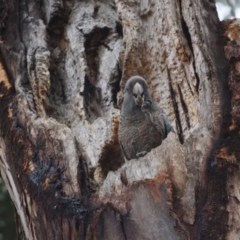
(63, 68)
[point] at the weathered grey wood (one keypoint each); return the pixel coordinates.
(63, 69)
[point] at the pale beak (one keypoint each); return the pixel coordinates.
(139, 100)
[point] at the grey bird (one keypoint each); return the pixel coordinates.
(143, 125)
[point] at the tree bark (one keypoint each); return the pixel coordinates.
(63, 69)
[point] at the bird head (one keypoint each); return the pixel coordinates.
(136, 89)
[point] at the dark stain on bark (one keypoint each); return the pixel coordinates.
(93, 42)
(214, 216)
(59, 17)
(92, 94)
(92, 100)
(111, 158)
(119, 29)
(83, 176)
(114, 83)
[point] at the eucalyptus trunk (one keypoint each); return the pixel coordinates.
(64, 65)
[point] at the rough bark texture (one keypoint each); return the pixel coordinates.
(230, 152)
(63, 68)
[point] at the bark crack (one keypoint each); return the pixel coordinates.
(119, 29)
(122, 226)
(189, 40)
(28, 215)
(83, 177)
(189, 86)
(185, 109)
(176, 110)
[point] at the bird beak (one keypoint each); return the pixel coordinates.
(139, 100)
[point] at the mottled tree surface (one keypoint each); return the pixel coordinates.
(63, 69)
